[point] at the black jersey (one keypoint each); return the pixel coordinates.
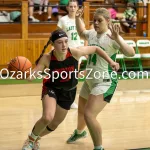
(63, 74)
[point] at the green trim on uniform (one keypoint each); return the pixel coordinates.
(109, 93)
(113, 57)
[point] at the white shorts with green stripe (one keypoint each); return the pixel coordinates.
(107, 88)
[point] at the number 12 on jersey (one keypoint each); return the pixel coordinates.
(74, 35)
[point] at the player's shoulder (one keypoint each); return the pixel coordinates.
(45, 59)
(46, 56)
(64, 18)
(91, 33)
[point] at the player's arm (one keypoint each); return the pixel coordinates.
(58, 28)
(60, 24)
(38, 68)
(86, 50)
(80, 24)
(124, 47)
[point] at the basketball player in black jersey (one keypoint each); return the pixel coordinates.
(58, 94)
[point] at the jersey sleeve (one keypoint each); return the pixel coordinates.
(60, 23)
(86, 34)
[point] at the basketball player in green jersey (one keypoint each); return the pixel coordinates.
(67, 23)
(98, 91)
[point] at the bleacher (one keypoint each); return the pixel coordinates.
(27, 39)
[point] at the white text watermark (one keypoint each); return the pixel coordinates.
(66, 75)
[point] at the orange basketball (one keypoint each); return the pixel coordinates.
(19, 66)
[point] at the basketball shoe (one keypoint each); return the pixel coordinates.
(37, 144)
(31, 144)
(75, 136)
(28, 144)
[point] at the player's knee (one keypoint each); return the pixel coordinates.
(47, 119)
(88, 115)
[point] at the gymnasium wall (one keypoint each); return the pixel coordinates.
(30, 48)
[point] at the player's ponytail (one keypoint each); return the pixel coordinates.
(43, 51)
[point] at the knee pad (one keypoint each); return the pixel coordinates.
(50, 130)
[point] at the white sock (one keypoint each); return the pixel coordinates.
(34, 136)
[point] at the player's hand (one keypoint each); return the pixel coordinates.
(115, 66)
(79, 12)
(114, 28)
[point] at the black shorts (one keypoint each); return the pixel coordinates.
(63, 98)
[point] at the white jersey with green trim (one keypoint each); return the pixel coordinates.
(69, 26)
(97, 67)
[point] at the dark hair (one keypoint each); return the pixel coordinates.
(43, 51)
(54, 36)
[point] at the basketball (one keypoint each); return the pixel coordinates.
(19, 67)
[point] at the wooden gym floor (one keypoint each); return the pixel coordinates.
(125, 121)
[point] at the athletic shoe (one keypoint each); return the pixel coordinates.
(29, 144)
(32, 19)
(36, 145)
(49, 19)
(75, 136)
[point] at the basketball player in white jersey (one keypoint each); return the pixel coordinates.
(97, 91)
(67, 23)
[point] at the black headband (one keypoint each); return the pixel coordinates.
(58, 34)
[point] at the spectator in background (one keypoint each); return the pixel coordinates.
(130, 16)
(63, 4)
(4, 16)
(52, 11)
(145, 9)
(45, 3)
(31, 11)
(15, 16)
(35, 5)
